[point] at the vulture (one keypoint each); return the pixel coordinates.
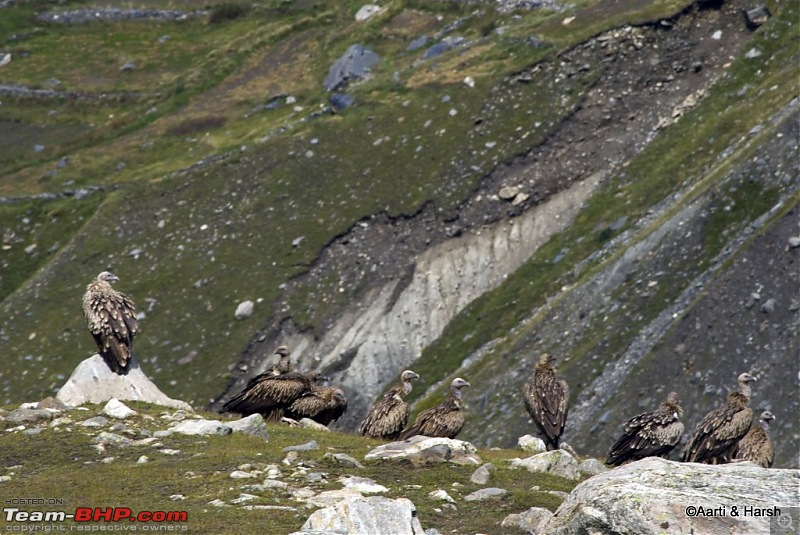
(389, 415)
(547, 400)
(721, 429)
(444, 420)
(756, 446)
(651, 434)
(111, 318)
(324, 405)
(270, 395)
(284, 365)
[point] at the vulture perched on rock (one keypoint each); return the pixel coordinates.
(547, 400)
(323, 404)
(389, 415)
(756, 446)
(270, 395)
(284, 365)
(651, 434)
(111, 318)
(444, 420)
(717, 434)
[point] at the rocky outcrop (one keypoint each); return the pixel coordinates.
(94, 382)
(420, 450)
(556, 462)
(654, 496)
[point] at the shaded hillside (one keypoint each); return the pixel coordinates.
(595, 180)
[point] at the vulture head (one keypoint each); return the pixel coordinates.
(107, 276)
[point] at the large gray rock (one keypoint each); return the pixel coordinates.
(421, 450)
(654, 496)
(556, 462)
(250, 425)
(354, 64)
(196, 427)
(534, 520)
(94, 382)
(359, 516)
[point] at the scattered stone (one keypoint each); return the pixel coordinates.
(486, 494)
(441, 494)
(757, 16)
(652, 496)
(482, 475)
(534, 520)
(367, 11)
(417, 43)
(469, 81)
(97, 421)
(769, 306)
(308, 423)
(143, 459)
(591, 467)
(340, 101)
(19, 416)
(343, 459)
(218, 503)
(250, 425)
(355, 64)
(532, 444)
(508, 192)
(197, 427)
(308, 446)
(5, 59)
(556, 462)
(297, 241)
(421, 450)
(94, 382)
(243, 498)
(753, 53)
(375, 514)
(244, 310)
(794, 242)
(51, 403)
(105, 438)
(33, 431)
(177, 497)
(64, 420)
(363, 485)
(127, 66)
(116, 409)
(443, 46)
(240, 474)
(314, 477)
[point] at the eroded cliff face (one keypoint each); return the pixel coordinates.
(622, 330)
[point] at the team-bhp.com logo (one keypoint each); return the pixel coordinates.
(94, 514)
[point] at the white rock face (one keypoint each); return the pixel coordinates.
(534, 520)
(556, 462)
(117, 409)
(363, 485)
(250, 425)
(654, 495)
(367, 11)
(94, 382)
(393, 327)
(360, 516)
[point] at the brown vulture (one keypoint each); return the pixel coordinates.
(444, 420)
(284, 365)
(651, 434)
(547, 400)
(389, 415)
(111, 318)
(270, 395)
(756, 446)
(323, 404)
(721, 429)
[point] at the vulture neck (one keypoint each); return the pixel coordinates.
(406, 388)
(744, 389)
(672, 408)
(765, 425)
(457, 393)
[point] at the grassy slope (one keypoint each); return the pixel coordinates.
(200, 236)
(200, 472)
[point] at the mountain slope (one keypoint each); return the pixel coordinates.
(602, 183)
